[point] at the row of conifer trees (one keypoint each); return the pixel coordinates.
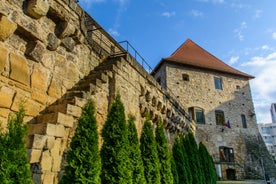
(123, 159)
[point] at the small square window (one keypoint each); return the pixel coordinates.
(185, 77)
(238, 87)
(218, 83)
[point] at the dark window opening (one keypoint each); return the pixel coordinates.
(244, 125)
(185, 77)
(158, 80)
(197, 114)
(226, 154)
(220, 120)
(218, 83)
(238, 87)
(230, 174)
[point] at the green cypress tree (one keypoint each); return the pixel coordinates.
(137, 166)
(194, 159)
(14, 165)
(208, 167)
(163, 154)
(84, 162)
(149, 154)
(174, 171)
(181, 161)
(115, 153)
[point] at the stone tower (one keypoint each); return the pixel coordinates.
(218, 98)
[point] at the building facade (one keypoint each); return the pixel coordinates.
(273, 112)
(218, 98)
(268, 132)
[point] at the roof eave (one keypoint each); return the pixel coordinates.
(168, 59)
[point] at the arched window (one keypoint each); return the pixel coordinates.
(220, 120)
(197, 114)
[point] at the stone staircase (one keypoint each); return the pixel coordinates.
(50, 135)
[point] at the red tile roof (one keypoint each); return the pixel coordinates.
(191, 54)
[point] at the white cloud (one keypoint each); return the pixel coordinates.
(113, 32)
(265, 47)
(196, 13)
(263, 86)
(258, 13)
(239, 31)
(274, 35)
(168, 14)
(234, 59)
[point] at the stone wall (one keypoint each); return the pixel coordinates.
(43, 53)
(53, 58)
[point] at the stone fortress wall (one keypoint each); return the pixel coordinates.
(53, 58)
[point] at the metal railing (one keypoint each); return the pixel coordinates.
(135, 54)
(105, 45)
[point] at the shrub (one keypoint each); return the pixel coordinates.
(181, 161)
(163, 154)
(149, 154)
(14, 165)
(136, 165)
(207, 163)
(115, 153)
(191, 148)
(174, 171)
(84, 162)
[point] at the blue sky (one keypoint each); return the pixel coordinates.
(242, 33)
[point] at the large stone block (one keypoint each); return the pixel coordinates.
(58, 118)
(40, 77)
(47, 129)
(7, 27)
(36, 141)
(3, 58)
(53, 42)
(37, 8)
(40, 96)
(19, 69)
(68, 43)
(65, 29)
(35, 51)
(55, 88)
(34, 155)
(4, 112)
(48, 178)
(6, 96)
(46, 161)
(32, 108)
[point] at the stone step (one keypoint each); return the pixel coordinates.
(99, 75)
(56, 118)
(74, 93)
(77, 101)
(65, 108)
(46, 129)
(96, 81)
(85, 87)
(109, 67)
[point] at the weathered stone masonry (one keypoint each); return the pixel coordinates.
(53, 58)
